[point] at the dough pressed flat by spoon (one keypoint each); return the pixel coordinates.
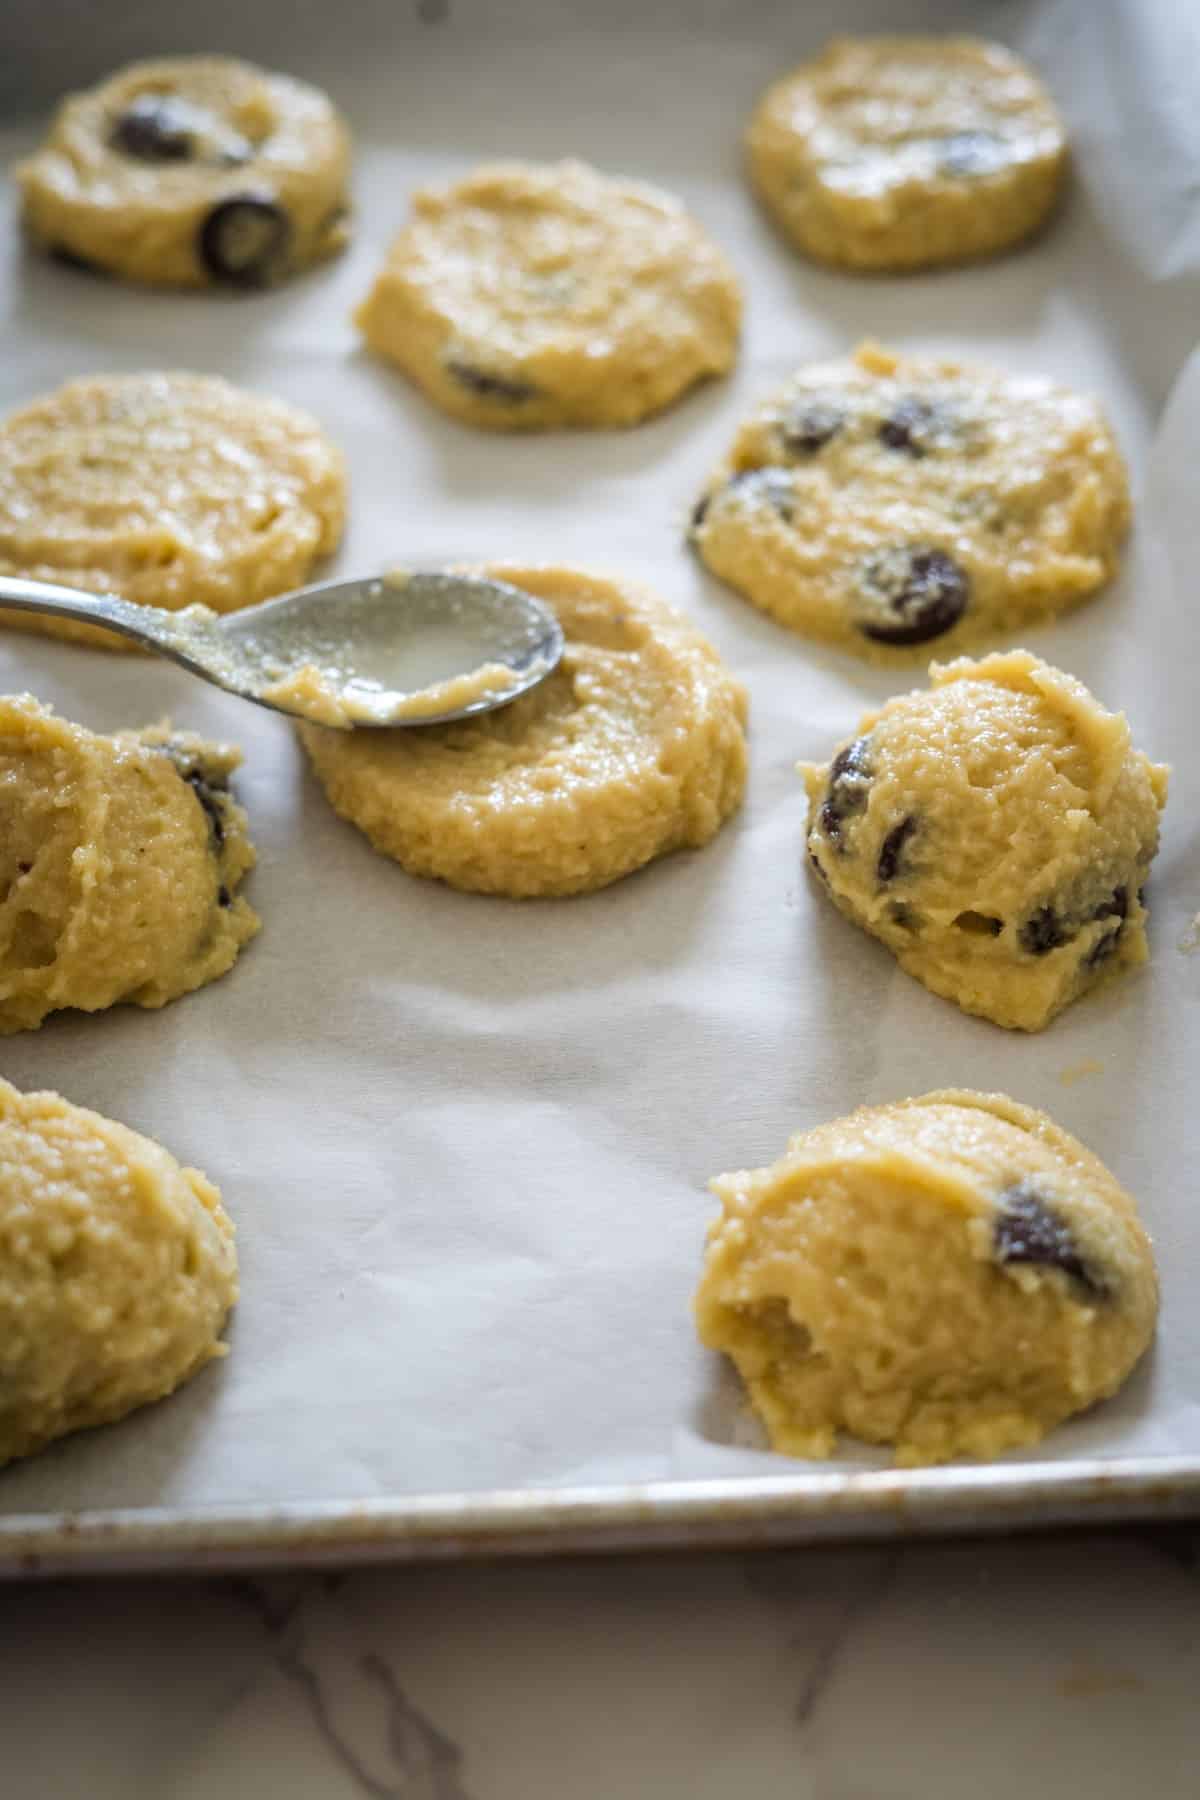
(419, 648)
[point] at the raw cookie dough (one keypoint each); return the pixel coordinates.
(905, 152)
(192, 171)
(994, 831)
(120, 861)
(117, 1270)
(167, 489)
(633, 747)
(953, 1275)
(883, 503)
(533, 296)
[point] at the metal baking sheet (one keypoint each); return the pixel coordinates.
(466, 1141)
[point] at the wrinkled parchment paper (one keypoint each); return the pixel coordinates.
(465, 1140)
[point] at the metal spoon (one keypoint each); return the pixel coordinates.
(417, 648)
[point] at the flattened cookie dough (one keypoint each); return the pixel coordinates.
(120, 862)
(953, 1275)
(170, 490)
(633, 747)
(117, 1270)
(192, 171)
(994, 831)
(905, 152)
(533, 296)
(884, 503)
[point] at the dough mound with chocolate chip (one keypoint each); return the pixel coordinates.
(117, 1270)
(534, 296)
(120, 862)
(952, 1275)
(995, 831)
(907, 152)
(194, 171)
(634, 747)
(170, 490)
(886, 503)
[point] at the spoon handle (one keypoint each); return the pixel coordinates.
(143, 623)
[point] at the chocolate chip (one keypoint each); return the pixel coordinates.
(769, 487)
(849, 780)
(71, 259)
(699, 512)
(892, 849)
(1044, 930)
(154, 128)
(1116, 906)
(1102, 949)
(1028, 1229)
(913, 425)
(244, 240)
(965, 154)
(209, 789)
(909, 594)
(224, 897)
(24, 868)
(815, 860)
(509, 388)
(808, 425)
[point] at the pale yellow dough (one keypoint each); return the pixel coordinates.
(906, 152)
(953, 1275)
(633, 747)
(884, 503)
(994, 831)
(120, 861)
(532, 296)
(223, 173)
(170, 490)
(117, 1270)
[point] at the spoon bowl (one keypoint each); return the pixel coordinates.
(406, 649)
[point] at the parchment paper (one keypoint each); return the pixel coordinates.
(466, 1141)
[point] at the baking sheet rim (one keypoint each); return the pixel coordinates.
(738, 1513)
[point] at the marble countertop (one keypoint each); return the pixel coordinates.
(1037, 1667)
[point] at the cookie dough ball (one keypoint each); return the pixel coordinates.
(633, 747)
(120, 862)
(905, 152)
(995, 831)
(168, 490)
(117, 1270)
(953, 1275)
(527, 297)
(192, 171)
(884, 503)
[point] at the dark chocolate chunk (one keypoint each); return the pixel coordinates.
(1028, 1229)
(224, 897)
(1044, 930)
(849, 779)
(914, 425)
(892, 849)
(1116, 906)
(71, 259)
(509, 388)
(965, 154)
(766, 487)
(699, 512)
(1102, 949)
(154, 128)
(210, 790)
(808, 425)
(244, 240)
(909, 594)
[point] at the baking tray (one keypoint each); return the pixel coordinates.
(466, 1142)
